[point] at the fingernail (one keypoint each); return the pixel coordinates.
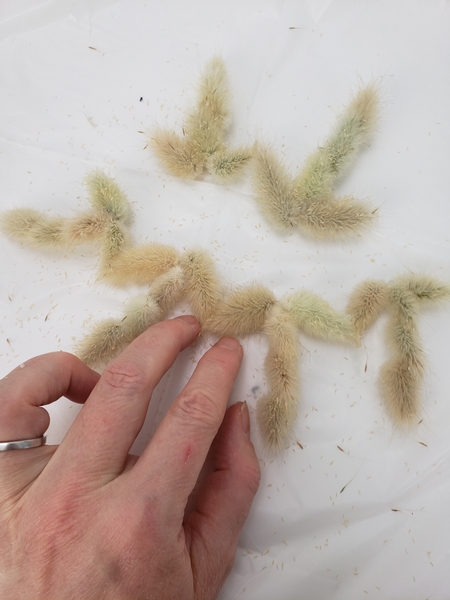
(245, 418)
(189, 319)
(229, 343)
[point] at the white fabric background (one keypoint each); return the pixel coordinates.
(71, 77)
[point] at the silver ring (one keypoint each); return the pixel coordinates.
(23, 444)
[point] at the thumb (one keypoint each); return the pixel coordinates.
(223, 502)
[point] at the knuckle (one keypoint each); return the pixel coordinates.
(67, 360)
(198, 406)
(123, 377)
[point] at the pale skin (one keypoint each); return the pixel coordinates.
(86, 519)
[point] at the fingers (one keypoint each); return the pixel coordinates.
(104, 431)
(38, 382)
(223, 501)
(179, 447)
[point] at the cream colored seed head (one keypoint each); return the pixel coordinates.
(140, 313)
(400, 382)
(33, 228)
(277, 411)
(105, 341)
(202, 284)
(168, 289)
(140, 265)
(273, 189)
(176, 154)
(242, 312)
(367, 302)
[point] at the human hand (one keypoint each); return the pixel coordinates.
(87, 520)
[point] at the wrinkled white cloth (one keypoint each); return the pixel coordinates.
(354, 508)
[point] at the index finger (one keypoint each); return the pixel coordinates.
(101, 436)
(38, 382)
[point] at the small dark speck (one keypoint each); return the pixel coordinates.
(255, 388)
(140, 99)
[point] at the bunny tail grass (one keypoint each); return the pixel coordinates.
(273, 189)
(207, 122)
(140, 313)
(86, 227)
(202, 284)
(226, 164)
(107, 339)
(315, 317)
(330, 218)
(401, 377)
(176, 154)
(277, 411)
(400, 383)
(315, 179)
(33, 228)
(139, 265)
(168, 289)
(353, 129)
(242, 312)
(402, 333)
(143, 311)
(213, 96)
(115, 239)
(425, 288)
(106, 195)
(368, 300)
(202, 146)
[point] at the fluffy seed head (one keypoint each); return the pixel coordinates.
(114, 240)
(426, 289)
(202, 284)
(140, 313)
(225, 165)
(353, 129)
(273, 189)
(242, 312)
(339, 218)
(317, 318)
(106, 195)
(315, 179)
(400, 382)
(140, 265)
(277, 411)
(368, 300)
(168, 289)
(33, 228)
(86, 227)
(105, 341)
(177, 154)
(206, 123)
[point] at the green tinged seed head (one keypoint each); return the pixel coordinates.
(106, 195)
(317, 318)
